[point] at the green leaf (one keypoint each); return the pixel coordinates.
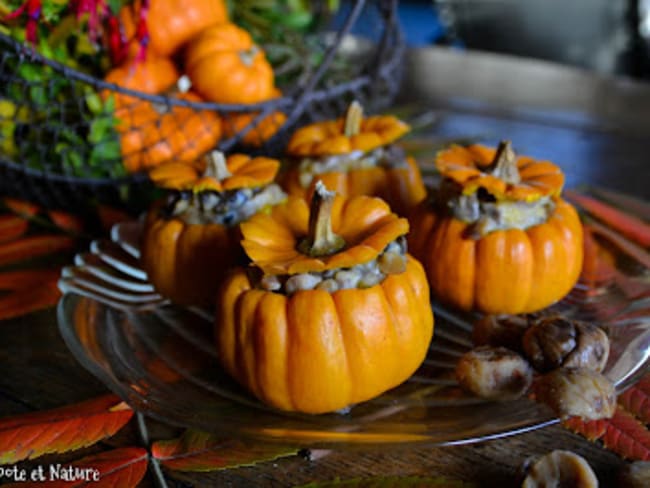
(199, 451)
(392, 482)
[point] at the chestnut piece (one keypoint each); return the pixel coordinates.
(500, 330)
(635, 475)
(560, 469)
(573, 392)
(554, 342)
(495, 373)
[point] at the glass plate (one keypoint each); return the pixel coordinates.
(160, 358)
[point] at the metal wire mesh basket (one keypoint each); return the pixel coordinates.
(62, 141)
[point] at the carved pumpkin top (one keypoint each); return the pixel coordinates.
(519, 178)
(216, 173)
(333, 232)
(345, 135)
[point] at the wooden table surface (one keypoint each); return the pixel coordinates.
(38, 372)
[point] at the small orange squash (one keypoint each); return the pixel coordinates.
(226, 66)
(313, 331)
(263, 129)
(170, 23)
(152, 75)
(496, 236)
(354, 156)
(191, 240)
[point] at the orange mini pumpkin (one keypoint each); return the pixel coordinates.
(171, 23)
(191, 240)
(226, 66)
(354, 156)
(496, 236)
(338, 312)
(152, 75)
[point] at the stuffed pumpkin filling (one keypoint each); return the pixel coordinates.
(229, 208)
(389, 157)
(391, 261)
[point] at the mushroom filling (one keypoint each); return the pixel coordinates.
(226, 208)
(386, 157)
(392, 260)
(487, 214)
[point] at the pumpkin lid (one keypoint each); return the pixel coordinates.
(499, 171)
(351, 133)
(216, 173)
(330, 233)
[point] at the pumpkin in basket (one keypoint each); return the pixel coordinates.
(260, 130)
(225, 66)
(332, 311)
(496, 236)
(191, 239)
(152, 75)
(170, 23)
(355, 156)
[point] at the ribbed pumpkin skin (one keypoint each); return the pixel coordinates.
(507, 271)
(317, 352)
(186, 263)
(401, 188)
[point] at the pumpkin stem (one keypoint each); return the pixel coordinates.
(216, 167)
(504, 165)
(353, 118)
(321, 240)
(248, 57)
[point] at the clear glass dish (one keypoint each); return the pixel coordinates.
(161, 359)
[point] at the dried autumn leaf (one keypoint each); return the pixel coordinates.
(26, 300)
(119, 468)
(66, 221)
(391, 482)
(12, 227)
(199, 451)
(33, 247)
(598, 265)
(592, 430)
(626, 436)
(636, 400)
(109, 216)
(628, 225)
(62, 429)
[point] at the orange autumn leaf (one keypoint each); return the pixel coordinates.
(66, 221)
(12, 227)
(33, 247)
(118, 468)
(598, 265)
(200, 451)
(21, 207)
(30, 299)
(628, 225)
(28, 436)
(637, 400)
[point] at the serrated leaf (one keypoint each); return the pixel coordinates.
(29, 299)
(33, 247)
(63, 429)
(12, 227)
(24, 278)
(66, 221)
(119, 468)
(627, 437)
(21, 207)
(592, 430)
(392, 482)
(636, 400)
(199, 451)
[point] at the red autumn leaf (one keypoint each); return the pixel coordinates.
(199, 451)
(109, 216)
(62, 429)
(24, 278)
(636, 400)
(597, 266)
(626, 436)
(21, 207)
(119, 468)
(628, 225)
(66, 221)
(592, 430)
(26, 300)
(33, 247)
(12, 227)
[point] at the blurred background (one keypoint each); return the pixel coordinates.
(606, 36)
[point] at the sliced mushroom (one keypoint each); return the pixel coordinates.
(495, 373)
(577, 392)
(500, 330)
(560, 469)
(553, 342)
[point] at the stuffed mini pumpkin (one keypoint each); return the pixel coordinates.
(496, 236)
(193, 238)
(355, 156)
(331, 312)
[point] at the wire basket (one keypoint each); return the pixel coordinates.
(60, 139)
